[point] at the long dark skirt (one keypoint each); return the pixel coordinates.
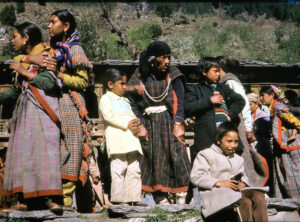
(165, 164)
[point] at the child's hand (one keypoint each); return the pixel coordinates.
(241, 185)
(133, 126)
(143, 134)
(231, 184)
(217, 99)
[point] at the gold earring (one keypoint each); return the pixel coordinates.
(24, 43)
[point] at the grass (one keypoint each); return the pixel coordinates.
(165, 216)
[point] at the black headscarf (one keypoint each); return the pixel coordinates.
(156, 48)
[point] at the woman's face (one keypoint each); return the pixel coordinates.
(55, 27)
(267, 99)
(19, 42)
(229, 143)
(253, 106)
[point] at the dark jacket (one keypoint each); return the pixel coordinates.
(199, 105)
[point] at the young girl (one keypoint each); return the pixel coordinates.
(215, 171)
(286, 153)
(32, 167)
(123, 145)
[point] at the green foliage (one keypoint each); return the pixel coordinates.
(114, 48)
(164, 9)
(7, 15)
(142, 35)
(161, 216)
(20, 7)
(206, 42)
(181, 44)
(90, 41)
(296, 13)
(165, 216)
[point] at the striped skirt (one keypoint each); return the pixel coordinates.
(72, 145)
(33, 161)
(287, 172)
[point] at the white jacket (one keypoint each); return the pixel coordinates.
(246, 112)
(117, 113)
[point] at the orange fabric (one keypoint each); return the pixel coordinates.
(174, 104)
(45, 105)
(84, 163)
(280, 139)
(280, 130)
(67, 177)
(266, 170)
(33, 194)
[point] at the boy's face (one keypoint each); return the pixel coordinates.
(213, 74)
(229, 143)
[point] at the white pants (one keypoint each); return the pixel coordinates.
(126, 183)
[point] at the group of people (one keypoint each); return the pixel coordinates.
(50, 151)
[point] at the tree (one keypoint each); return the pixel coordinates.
(8, 16)
(20, 6)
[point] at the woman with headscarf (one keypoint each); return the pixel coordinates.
(286, 154)
(262, 132)
(72, 68)
(158, 103)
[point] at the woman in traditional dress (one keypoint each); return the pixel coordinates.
(32, 167)
(72, 68)
(159, 106)
(286, 153)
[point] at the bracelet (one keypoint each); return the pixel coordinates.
(177, 123)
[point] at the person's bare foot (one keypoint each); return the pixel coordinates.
(55, 208)
(18, 207)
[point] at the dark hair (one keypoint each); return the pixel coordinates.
(65, 16)
(292, 97)
(268, 90)
(33, 32)
(224, 63)
(205, 64)
(112, 75)
(224, 128)
(154, 49)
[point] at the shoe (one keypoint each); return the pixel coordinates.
(18, 207)
(55, 208)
